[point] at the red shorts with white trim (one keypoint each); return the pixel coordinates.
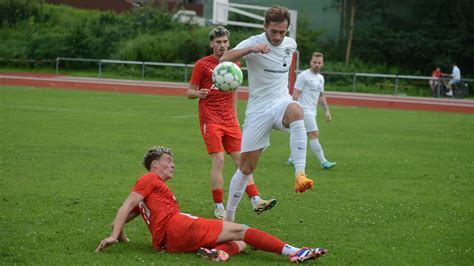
(186, 233)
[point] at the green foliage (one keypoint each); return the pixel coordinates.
(150, 20)
(69, 159)
(181, 45)
(13, 12)
(308, 40)
(407, 37)
(416, 36)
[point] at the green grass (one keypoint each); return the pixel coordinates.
(402, 192)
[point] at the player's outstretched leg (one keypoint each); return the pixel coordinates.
(305, 254)
(302, 183)
(263, 205)
(219, 212)
(259, 205)
(213, 254)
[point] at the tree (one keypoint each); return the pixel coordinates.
(351, 31)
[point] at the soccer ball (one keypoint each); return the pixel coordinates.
(227, 76)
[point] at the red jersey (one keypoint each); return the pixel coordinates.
(157, 207)
(217, 107)
(436, 73)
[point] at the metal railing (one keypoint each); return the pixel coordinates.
(355, 76)
(101, 62)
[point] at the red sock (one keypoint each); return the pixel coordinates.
(263, 241)
(251, 190)
(230, 247)
(218, 195)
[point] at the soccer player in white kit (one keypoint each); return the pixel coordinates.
(308, 91)
(269, 57)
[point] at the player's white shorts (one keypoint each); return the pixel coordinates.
(310, 123)
(257, 126)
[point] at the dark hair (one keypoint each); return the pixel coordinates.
(277, 14)
(218, 31)
(155, 153)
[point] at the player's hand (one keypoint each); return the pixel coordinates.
(202, 93)
(261, 48)
(105, 243)
(328, 116)
(123, 237)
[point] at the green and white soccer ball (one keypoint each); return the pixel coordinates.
(227, 76)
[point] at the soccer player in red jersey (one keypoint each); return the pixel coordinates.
(173, 231)
(218, 122)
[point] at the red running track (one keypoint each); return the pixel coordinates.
(175, 88)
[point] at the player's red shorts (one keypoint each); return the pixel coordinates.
(186, 233)
(219, 138)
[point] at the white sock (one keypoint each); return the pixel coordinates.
(219, 205)
(254, 200)
(317, 150)
(288, 249)
(298, 142)
(238, 183)
(290, 158)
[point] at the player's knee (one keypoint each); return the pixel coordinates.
(218, 160)
(294, 112)
(241, 231)
(313, 134)
(247, 163)
(246, 169)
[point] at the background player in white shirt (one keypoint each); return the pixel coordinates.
(270, 105)
(309, 90)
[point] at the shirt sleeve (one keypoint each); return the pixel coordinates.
(322, 83)
(196, 74)
(145, 185)
(246, 43)
(299, 83)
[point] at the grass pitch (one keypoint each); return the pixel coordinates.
(402, 191)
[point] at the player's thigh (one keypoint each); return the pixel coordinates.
(281, 112)
(256, 131)
(212, 136)
(232, 138)
(186, 233)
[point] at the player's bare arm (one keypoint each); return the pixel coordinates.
(325, 106)
(194, 92)
(123, 215)
(123, 237)
(236, 54)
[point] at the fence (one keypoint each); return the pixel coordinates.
(348, 79)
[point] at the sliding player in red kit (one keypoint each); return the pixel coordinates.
(174, 231)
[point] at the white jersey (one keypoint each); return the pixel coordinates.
(456, 73)
(267, 73)
(310, 85)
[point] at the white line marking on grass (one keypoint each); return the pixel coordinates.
(39, 108)
(67, 110)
